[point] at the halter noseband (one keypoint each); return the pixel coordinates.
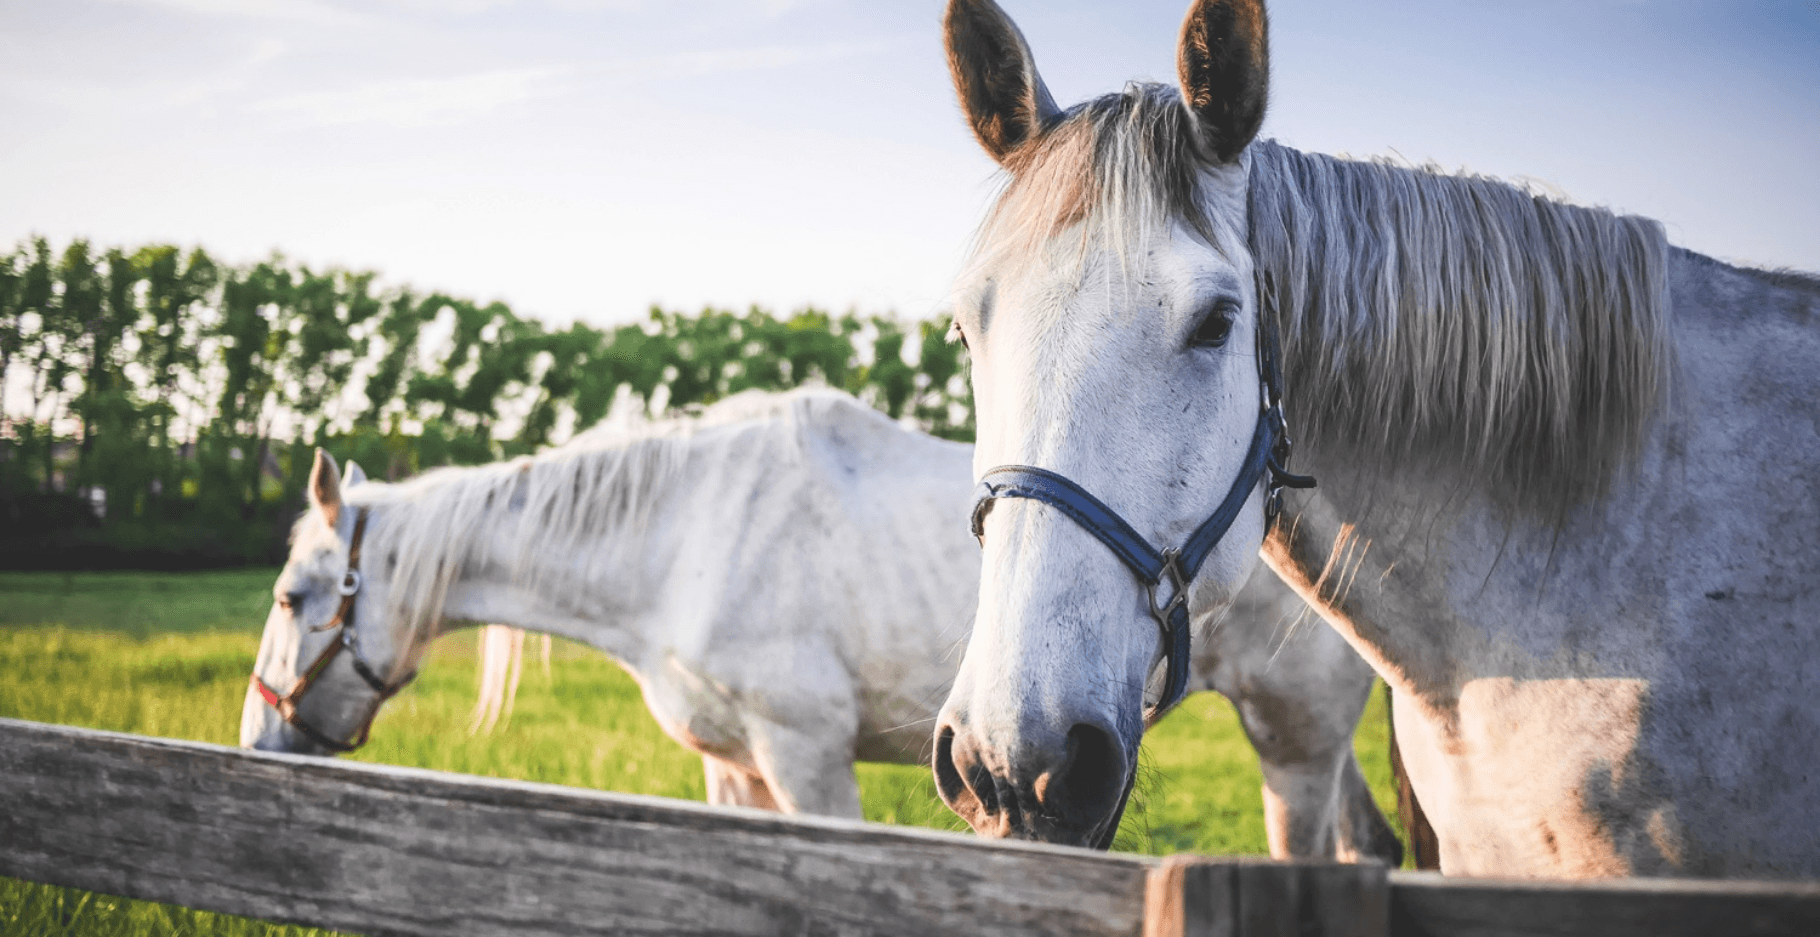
(1268, 456)
(344, 620)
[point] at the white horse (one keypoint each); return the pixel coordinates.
(789, 579)
(1569, 500)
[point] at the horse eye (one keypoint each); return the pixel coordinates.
(290, 600)
(960, 336)
(1215, 328)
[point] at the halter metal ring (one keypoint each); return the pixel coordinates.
(350, 583)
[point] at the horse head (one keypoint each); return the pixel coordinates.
(328, 657)
(1111, 311)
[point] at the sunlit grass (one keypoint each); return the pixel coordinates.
(168, 655)
(139, 604)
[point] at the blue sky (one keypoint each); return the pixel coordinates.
(585, 158)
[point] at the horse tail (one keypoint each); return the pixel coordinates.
(1424, 846)
(501, 664)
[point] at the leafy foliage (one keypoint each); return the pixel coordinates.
(180, 398)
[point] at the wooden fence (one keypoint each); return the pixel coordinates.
(378, 849)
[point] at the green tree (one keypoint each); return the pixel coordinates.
(568, 352)
(12, 329)
(399, 328)
(170, 341)
(942, 382)
(47, 339)
(894, 378)
(254, 336)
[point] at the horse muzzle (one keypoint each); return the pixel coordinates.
(1064, 787)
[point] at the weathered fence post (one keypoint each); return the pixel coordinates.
(1194, 896)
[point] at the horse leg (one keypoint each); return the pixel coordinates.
(1316, 802)
(1365, 833)
(1299, 810)
(806, 774)
(1423, 842)
(730, 785)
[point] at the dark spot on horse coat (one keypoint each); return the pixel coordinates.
(1548, 838)
(1719, 595)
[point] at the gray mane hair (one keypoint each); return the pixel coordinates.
(576, 510)
(1449, 321)
(1452, 321)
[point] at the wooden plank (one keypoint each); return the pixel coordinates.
(379, 849)
(1196, 896)
(1423, 904)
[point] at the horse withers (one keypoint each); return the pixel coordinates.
(1569, 481)
(789, 579)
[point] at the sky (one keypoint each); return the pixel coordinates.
(584, 159)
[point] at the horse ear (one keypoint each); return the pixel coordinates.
(325, 491)
(1224, 62)
(995, 75)
(352, 475)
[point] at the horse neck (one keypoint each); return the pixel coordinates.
(599, 590)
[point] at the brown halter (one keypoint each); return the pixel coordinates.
(344, 619)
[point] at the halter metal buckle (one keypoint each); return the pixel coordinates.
(1172, 571)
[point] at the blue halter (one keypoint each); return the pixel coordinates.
(1268, 456)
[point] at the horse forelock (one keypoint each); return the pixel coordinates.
(1458, 321)
(1111, 171)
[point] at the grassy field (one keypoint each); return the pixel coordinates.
(168, 655)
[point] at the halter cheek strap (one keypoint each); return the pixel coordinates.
(286, 705)
(1266, 459)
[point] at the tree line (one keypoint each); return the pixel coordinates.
(159, 408)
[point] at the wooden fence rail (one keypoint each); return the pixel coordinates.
(378, 849)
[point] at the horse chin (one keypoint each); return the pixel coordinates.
(287, 741)
(1056, 831)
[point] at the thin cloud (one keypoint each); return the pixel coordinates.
(421, 102)
(689, 64)
(424, 102)
(78, 93)
(312, 12)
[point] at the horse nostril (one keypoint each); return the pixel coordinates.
(963, 781)
(1089, 779)
(948, 781)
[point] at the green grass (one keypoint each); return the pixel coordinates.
(168, 654)
(139, 604)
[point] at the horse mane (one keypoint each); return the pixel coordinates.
(1432, 319)
(575, 510)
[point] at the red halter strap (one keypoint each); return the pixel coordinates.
(286, 705)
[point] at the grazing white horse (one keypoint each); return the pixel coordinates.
(1569, 502)
(789, 579)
